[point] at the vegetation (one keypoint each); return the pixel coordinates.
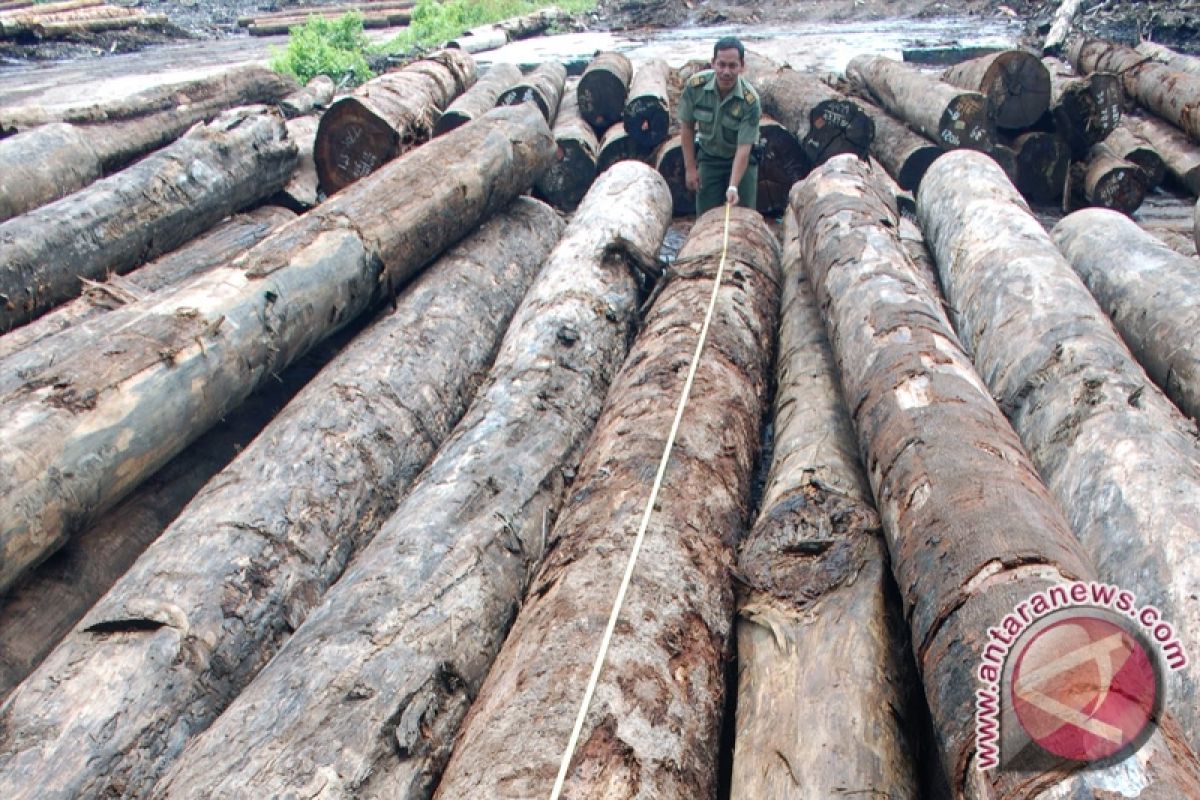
(435, 22)
(336, 48)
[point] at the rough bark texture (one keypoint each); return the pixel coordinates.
(386, 117)
(1172, 95)
(1060, 26)
(210, 602)
(904, 154)
(1148, 290)
(603, 88)
(303, 189)
(568, 179)
(479, 99)
(1109, 181)
(1084, 111)
(481, 39)
(947, 115)
(647, 112)
(543, 87)
(783, 163)
(377, 680)
(43, 164)
(74, 442)
(617, 145)
(814, 571)
(1165, 55)
(653, 724)
(1125, 144)
(1180, 155)
(314, 96)
(668, 160)
(826, 122)
(149, 208)
(1042, 163)
(283, 25)
(970, 528)
(1122, 461)
(1015, 83)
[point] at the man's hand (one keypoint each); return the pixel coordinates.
(691, 178)
(731, 195)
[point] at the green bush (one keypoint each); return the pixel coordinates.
(325, 47)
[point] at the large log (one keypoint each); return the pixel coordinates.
(386, 117)
(617, 145)
(949, 116)
(481, 39)
(43, 164)
(335, 11)
(479, 99)
(533, 23)
(149, 208)
(813, 571)
(568, 179)
(377, 630)
(603, 88)
(668, 160)
(1015, 82)
(971, 530)
(1172, 95)
(158, 658)
(1165, 55)
(1181, 156)
(1108, 181)
(1122, 461)
(1125, 144)
(314, 96)
(1148, 290)
(826, 122)
(391, 18)
(303, 189)
(654, 720)
(783, 162)
(75, 443)
(1043, 160)
(647, 112)
(904, 154)
(543, 87)
(1083, 110)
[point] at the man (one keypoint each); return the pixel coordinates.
(721, 105)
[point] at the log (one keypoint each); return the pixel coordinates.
(945, 55)
(1165, 55)
(903, 153)
(783, 163)
(654, 720)
(386, 19)
(335, 11)
(74, 443)
(376, 630)
(949, 116)
(79, 23)
(1120, 459)
(1148, 290)
(813, 570)
(1172, 95)
(1015, 82)
(533, 23)
(158, 658)
(1125, 144)
(479, 99)
(1084, 111)
(543, 87)
(826, 122)
(668, 160)
(603, 88)
(1179, 154)
(386, 117)
(316, 94)
(971, 530)
(41, 165)
(617, 145)
(303, 189)
(568, 179)
(647, 111)
(1042, 161)
(1060, 26)
(481, 39)
(147, 209)
(1108, 181)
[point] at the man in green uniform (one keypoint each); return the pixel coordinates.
(722, 107)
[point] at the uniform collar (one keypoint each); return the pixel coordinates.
(738, 90)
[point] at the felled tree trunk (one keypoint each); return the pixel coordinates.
(386, 117)
(904, 154)
(826, 122)
(1042, 161)
(531, 24)
(1125, 144)
(303, 189)
(481, 39)
(1060, 26)
(42, 165)
(1084, 111)
(603, 88)
(74, 445)
(568, 179)
(390, 18)
(158, 658)
(668, 160)
(783, 163)
(617, 145)
(1108, 181)
(1121, 460)
(971, 530)
(543, 87)
(654, 720)
(1165, 55)
(1015, 83)
(316, 95)
(647, 111)
(148, 209)
(1148, 290)
(521, 437)
(814, 571)
(1181, 156)
(479, 99)
(950, 117)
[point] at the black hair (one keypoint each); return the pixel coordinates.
(730, 43)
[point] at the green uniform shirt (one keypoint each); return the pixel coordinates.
(721, 124)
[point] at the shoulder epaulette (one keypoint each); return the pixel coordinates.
(750, 96)
(700, 78)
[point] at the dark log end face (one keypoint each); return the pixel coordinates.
(1119, 189)
(569, 178)
(646, 121)
(783, 163)
(352, 142)
(1018, 89)
(915, 167)
(618, 146)
(965, 124)
(524, 93)
(1108, 98)
(601, 97)
(837, 127)
(1042, 164)
(670, 166)
(449, 121)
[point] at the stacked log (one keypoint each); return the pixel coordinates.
(73, 446)
(533, 23)
(1124, 143)
(480, 98)
(543, 87)
(1083, 110)
(568, 179)
(1108, 181)
(62, 20)
(1179, 154)
(386, 117)
(668, 160)
(366, 7)
(316, 95)
(303, 189)
(826, 122)
(1042, 164)
(158, 658)
(647, 112)
(1148, 290)
(942, 113)
(813, 571)
(603, 88)
(904, 154)
(145, 210)
(654, 720)
(373, 15)
(971, 530)
(41, 165)
(1122, 461)
(331, 695)
(783, 162)
(1015, 83)
(617, 145)
(1165, 55)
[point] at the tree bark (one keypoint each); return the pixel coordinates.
(43, 164)
(384, 19)
(303, 189)
(1172, 95)
(970, 528)
(160, 656)
(333, 11)
(543, 87)
(603, 88)
(74, 442)
(950, 117)
(1015, 83)
(1108, 181)
(479, 99)
(826, 122)
(1180, 155)
(1124, 143)
(81, 21)
(411, 667)
(783, 163)
(1148, 290)
(1060, 26)
(531, 24)
(386, 117)
(647, 112)
(1042, 163)
(653, 724)
(148, 209)
(1165, 55)
(568, 179)
(481, 39)
(1121, 460)
(315, 95)
(617, 145)
(1084, 111)
(668, 160)
(904, 154)
(814, 571)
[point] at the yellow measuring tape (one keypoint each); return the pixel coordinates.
(569, 753)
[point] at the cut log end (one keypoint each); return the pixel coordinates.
(569, 178)
(1017, 85)
(646, 121)
(524, 93)
(669, 163)
(783, 163)
(915, 166)
(965, 124)
(1042, 163)
(601, 98)
(449, 121)
(838, 126)
(352, 142)
(1119, 188)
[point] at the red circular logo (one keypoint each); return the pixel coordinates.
(1084, 687)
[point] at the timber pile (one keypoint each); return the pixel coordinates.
(568, 179)
(1015, 83)
(72, 18)
(543, 87)
(826, 122)
(1165, 55)
(647, 111)
(478, 99)
(374, 13)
